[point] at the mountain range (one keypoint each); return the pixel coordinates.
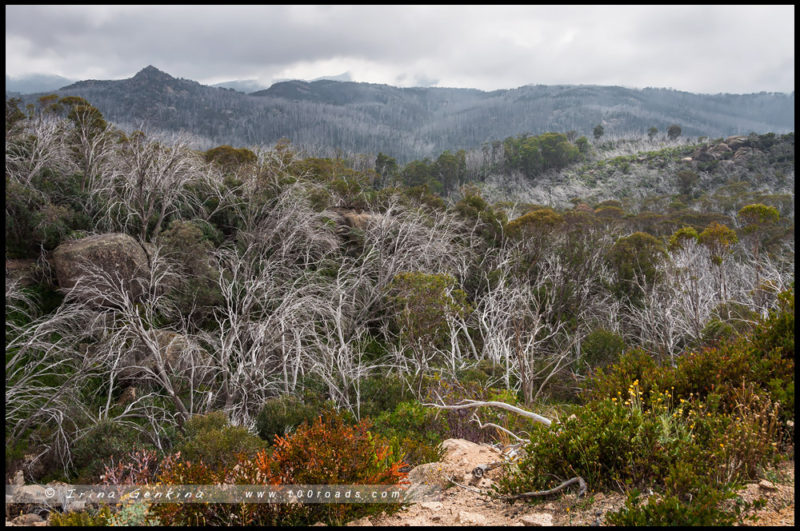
(327, 116)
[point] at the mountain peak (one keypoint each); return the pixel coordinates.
(152, 73)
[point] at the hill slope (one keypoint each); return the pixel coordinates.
(410, 123)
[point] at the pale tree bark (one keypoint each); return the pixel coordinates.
(53, 366)
(147, 183)
(520, 326)
(92, 149)
(35, 144)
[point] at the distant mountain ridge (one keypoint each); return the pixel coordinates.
(242, 85)
(34, 83)
(248, 86)
(410, 123)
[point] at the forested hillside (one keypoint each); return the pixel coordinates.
(249, 308)
(326, 116)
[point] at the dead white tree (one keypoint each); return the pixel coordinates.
(258, 347)
(273, 300)
(90, 142)
(336, 352)
(755, 280)
(248, 193)
(520, 326)
(171, 361)
(399, 239)
(657, 320)
(37, 143)
(43, 377)
(691, 282)
(55, 363)
(472, 404)
(675, 309)
(146, 183)
(516, 449)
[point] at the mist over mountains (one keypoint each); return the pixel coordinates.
(324, 116)
(34, 83)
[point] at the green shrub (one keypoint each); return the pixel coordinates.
(716, 331)
(681, 236)
(764, 358)
(189, 244)
(614, 380)
(601, 347)
(211, 439)
(484, 373)
(605, 442)
(705, 509)
(21, 205)
(51, 225)
(102, 442)
(717, 374)
(414, 432)
(230, 158)
(460, 421)
(777, 332)
(382, 393)
(422, 302)
(635, 258)
(279, 416)
(673, 445)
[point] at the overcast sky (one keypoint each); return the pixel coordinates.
(707, 49)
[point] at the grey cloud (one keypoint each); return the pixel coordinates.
(697, 48)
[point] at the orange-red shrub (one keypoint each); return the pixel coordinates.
(329, 451)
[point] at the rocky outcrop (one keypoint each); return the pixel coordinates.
(702, 155)
(743, 153)
(470, 518)
(127, 396)
(114, 253)
(463, 452)
(735, 142)
(734, 148)
(30, 519)
(361, 522)
(713, 152)
(182, 357)
(358, 220)
(346, 219)
(719, 150)
(23, 270)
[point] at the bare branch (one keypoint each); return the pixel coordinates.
(469, 404)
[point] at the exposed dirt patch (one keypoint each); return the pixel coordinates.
(459, 506)
(778, 492)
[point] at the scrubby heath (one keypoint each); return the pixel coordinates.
(256, 316)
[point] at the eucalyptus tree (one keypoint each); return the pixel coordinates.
(37, 143)
(147, 183)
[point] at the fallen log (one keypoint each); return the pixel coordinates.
(465, 404)
(577, 479)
